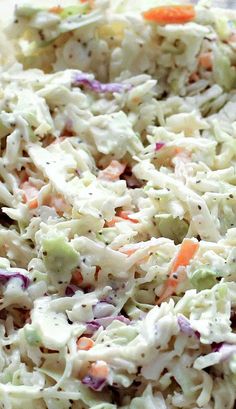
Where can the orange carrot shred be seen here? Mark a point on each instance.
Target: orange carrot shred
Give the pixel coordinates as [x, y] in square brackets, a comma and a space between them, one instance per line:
[125, 214]
[56, 9]
[121, 215]
[177, 14]
[187, 251]
[206, 61]
[30, 194]
[90, 3]
[57, 202]
[99, 370]
[84, 343]
[128, 252]
[112, 222]
[33, 204]
[113, 171]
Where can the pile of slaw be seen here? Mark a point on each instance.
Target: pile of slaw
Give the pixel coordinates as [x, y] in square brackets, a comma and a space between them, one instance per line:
[118, 208]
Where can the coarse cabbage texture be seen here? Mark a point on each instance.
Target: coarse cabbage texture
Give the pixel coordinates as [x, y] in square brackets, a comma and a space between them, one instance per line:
[117, 150]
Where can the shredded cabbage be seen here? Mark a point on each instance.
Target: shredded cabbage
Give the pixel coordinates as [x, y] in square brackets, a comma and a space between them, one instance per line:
[118, 210]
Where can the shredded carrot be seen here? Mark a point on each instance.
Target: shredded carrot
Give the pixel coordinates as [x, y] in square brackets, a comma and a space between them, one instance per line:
[84, 343]
[177, 14]
[56, 201]
[113, 171]
[30, 194]
[77, 278]
[205, 60]
[112, 222]
[165, 156]
[33, 204]
[99, 369]
[186, 253]
[90, 2]
[121, 215]
[178, 150]
[128, 252]
[125, 214]
[56, 9]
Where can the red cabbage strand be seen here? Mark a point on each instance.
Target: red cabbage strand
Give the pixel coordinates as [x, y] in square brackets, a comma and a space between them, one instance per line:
[97, 384]
[5, 276]
[96, 86]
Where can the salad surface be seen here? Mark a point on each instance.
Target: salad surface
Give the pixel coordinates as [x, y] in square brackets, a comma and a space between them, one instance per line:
[118, 207]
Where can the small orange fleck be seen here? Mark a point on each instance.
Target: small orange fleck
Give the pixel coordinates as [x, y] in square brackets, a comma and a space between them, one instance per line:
[85, 343]
[56, 9]
[206, 60]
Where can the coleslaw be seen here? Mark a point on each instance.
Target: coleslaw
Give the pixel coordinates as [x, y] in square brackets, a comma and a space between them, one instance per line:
[118, 208]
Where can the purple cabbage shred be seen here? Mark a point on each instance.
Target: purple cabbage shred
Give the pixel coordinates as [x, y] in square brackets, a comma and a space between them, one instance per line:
[92, 327]
[105, 321]
[5, 276]
[216, 346]
[70, 290]
[226, 350]
[97, 384]
[186, 328]
[159, 145]
[97, 86]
